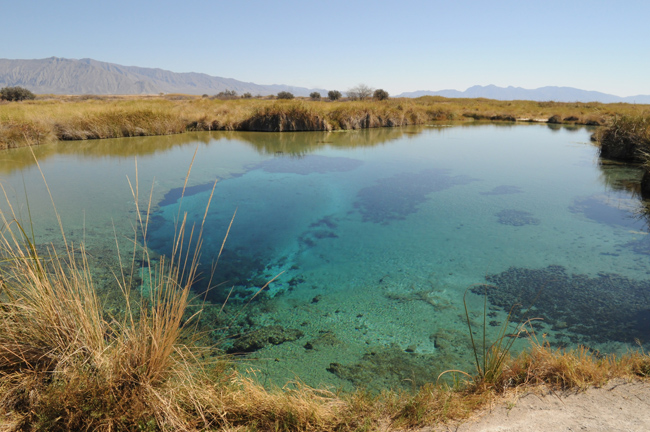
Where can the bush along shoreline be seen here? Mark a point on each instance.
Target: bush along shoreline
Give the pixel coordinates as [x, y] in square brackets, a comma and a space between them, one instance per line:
[627, 138]
[51, 118]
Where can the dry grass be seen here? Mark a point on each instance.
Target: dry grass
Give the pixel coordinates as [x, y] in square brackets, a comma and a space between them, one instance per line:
[93, 117]
[627, 138]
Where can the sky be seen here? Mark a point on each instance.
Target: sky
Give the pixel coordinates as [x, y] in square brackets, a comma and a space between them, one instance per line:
[399, 46]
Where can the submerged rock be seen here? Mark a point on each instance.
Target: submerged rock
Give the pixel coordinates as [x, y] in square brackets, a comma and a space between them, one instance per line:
[324, 339]
[265, 336]
[388, 367]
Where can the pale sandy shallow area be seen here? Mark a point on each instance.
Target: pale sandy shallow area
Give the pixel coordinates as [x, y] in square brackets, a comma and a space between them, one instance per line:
[617, 406]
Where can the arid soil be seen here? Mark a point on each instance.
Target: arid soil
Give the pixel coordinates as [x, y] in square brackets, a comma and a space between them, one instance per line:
[617, 406]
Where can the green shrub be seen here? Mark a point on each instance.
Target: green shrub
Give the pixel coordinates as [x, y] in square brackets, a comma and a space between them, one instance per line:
[334, 95]
[247, 95]
[285, 95]
[226, 95]
[314, 95]
[627, 138]
[380, 94]
[16, 94]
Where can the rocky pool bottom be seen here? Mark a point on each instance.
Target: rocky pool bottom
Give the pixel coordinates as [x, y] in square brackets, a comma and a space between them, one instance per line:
[389, 336]
[382, 337]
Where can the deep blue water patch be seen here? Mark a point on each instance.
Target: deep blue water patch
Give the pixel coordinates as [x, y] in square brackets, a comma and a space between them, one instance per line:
[600, 210]
[395, 197]
[175, 194]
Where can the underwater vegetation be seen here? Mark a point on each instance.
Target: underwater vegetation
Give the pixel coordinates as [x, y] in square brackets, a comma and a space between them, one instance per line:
[176, 194]
[608, 307]
[503, 190]
[516, 218]
[390, 367]
[394, 198]
[309, 164]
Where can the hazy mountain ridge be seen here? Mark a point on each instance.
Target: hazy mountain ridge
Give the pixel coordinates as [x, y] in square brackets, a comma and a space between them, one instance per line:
[548, 93]
[88, 76]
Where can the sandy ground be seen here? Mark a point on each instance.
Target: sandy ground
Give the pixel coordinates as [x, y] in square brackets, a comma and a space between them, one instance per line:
[618, 406]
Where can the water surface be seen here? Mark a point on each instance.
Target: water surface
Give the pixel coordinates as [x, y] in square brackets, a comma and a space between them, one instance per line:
[375, 237]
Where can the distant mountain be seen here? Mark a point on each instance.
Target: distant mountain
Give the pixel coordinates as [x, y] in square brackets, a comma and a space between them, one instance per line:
[550, 93]
[87, 76]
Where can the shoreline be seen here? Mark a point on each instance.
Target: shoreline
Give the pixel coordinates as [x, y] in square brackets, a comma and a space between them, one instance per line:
[50, 119]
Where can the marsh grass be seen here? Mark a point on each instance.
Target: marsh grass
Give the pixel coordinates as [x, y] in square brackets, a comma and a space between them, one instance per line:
[86, 117]
[626, 138]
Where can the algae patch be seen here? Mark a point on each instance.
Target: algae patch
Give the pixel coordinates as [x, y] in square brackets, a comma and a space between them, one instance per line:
[394, 198]
[310, 164]
[607, 307]
[516, 218]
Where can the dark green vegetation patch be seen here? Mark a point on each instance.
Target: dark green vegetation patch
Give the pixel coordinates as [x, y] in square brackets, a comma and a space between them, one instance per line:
[503, 190]
[394, 198]
[309, 164]
[608, 307]
[516, 218]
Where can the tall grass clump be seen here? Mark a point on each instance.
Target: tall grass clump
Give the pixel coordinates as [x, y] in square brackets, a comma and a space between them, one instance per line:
[284, 116]
[626, 138]
[490, 357]
[66, 365]
[120, 123]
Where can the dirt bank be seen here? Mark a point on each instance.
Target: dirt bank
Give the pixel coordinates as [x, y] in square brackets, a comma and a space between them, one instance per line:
[618, 406]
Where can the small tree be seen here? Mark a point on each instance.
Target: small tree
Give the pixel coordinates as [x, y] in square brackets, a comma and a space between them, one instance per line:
[360, 92]
[16, 94]
[380, 94]
[227, 94]
[314, 95]
[246, 95]
[334, 95]
[285, 95]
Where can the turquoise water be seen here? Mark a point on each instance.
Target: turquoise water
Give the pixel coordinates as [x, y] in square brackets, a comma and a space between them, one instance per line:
[374, 238]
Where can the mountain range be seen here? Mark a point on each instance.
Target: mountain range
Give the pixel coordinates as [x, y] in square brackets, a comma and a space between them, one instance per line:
[549, 93]
[87, 76]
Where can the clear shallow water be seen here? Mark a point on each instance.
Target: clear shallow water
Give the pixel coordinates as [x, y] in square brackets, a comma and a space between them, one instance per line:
[376, 235]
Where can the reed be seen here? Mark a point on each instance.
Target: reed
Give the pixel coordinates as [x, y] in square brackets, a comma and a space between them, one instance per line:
[626, 138]
[51, 118]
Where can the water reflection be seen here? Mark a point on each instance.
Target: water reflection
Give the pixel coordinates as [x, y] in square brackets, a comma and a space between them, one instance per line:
[263, 142]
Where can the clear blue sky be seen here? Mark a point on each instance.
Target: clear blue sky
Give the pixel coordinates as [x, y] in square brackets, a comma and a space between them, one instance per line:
[399, 45]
